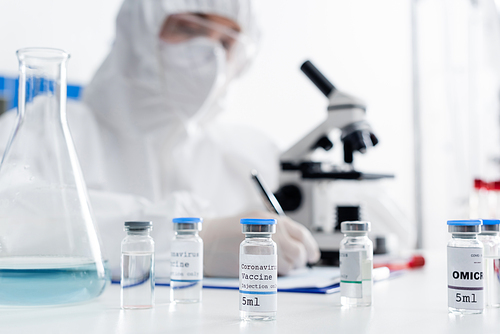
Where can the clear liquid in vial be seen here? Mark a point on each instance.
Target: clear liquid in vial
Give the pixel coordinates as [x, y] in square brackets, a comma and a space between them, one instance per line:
[359, 293]
[186, 292]
[137, 283]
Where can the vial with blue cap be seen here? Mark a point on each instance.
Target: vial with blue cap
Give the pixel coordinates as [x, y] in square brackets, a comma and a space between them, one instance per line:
[138, 266]
[465, 267]
[186, 261]
[490, 239]
[258, 270]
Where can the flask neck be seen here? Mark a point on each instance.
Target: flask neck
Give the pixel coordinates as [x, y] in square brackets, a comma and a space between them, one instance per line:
[42, 82]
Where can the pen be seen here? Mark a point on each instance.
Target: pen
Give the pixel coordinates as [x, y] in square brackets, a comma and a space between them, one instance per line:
[270, 200]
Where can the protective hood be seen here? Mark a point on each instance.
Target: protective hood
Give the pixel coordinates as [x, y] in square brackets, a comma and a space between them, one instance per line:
[127, 93]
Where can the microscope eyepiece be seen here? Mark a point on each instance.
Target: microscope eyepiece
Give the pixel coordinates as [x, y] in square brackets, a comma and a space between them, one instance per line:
[323, 84]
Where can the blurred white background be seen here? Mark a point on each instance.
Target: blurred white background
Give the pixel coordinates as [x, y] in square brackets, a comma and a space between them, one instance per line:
[366, 49]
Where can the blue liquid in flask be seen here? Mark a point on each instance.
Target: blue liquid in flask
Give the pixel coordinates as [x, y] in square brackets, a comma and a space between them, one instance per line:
[38, 281]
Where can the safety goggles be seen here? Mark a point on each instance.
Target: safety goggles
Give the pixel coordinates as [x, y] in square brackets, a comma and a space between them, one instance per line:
[179, 28]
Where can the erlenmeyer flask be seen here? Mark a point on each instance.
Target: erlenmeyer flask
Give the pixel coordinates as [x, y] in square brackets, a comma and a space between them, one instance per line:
[49, 247]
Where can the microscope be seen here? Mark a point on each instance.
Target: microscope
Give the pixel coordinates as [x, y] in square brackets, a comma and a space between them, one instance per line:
[305, 192]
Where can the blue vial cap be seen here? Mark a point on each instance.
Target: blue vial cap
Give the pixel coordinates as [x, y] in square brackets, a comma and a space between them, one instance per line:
[464, 222]
[184, 220]
[491, 221]
[257, 221]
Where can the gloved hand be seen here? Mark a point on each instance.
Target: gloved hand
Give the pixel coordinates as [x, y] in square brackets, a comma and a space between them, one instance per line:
[222, 238]
[296, 245]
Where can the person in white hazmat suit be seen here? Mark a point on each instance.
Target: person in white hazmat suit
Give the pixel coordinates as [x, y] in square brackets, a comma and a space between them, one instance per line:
[149, 142]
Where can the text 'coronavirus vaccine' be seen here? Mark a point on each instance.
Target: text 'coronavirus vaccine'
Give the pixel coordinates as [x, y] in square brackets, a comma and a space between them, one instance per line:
[258, 270]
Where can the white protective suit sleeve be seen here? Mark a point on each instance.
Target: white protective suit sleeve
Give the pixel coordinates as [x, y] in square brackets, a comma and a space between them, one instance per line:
[222, 238]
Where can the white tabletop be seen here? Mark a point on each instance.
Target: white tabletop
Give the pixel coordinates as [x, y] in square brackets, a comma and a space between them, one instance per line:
[415, 302]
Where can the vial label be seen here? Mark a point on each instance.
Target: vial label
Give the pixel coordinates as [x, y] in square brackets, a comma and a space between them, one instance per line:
[186, 261]
[258, 283]
[465, 278]
[355, 267]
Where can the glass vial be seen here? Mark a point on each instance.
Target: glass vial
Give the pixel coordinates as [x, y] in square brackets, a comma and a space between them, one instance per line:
[186, 270]
[138, 266]
[465, 267]
[490, 239]
[356, 264]
[258, 270]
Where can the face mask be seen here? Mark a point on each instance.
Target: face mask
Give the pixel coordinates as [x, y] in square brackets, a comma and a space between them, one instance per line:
[193, 73]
